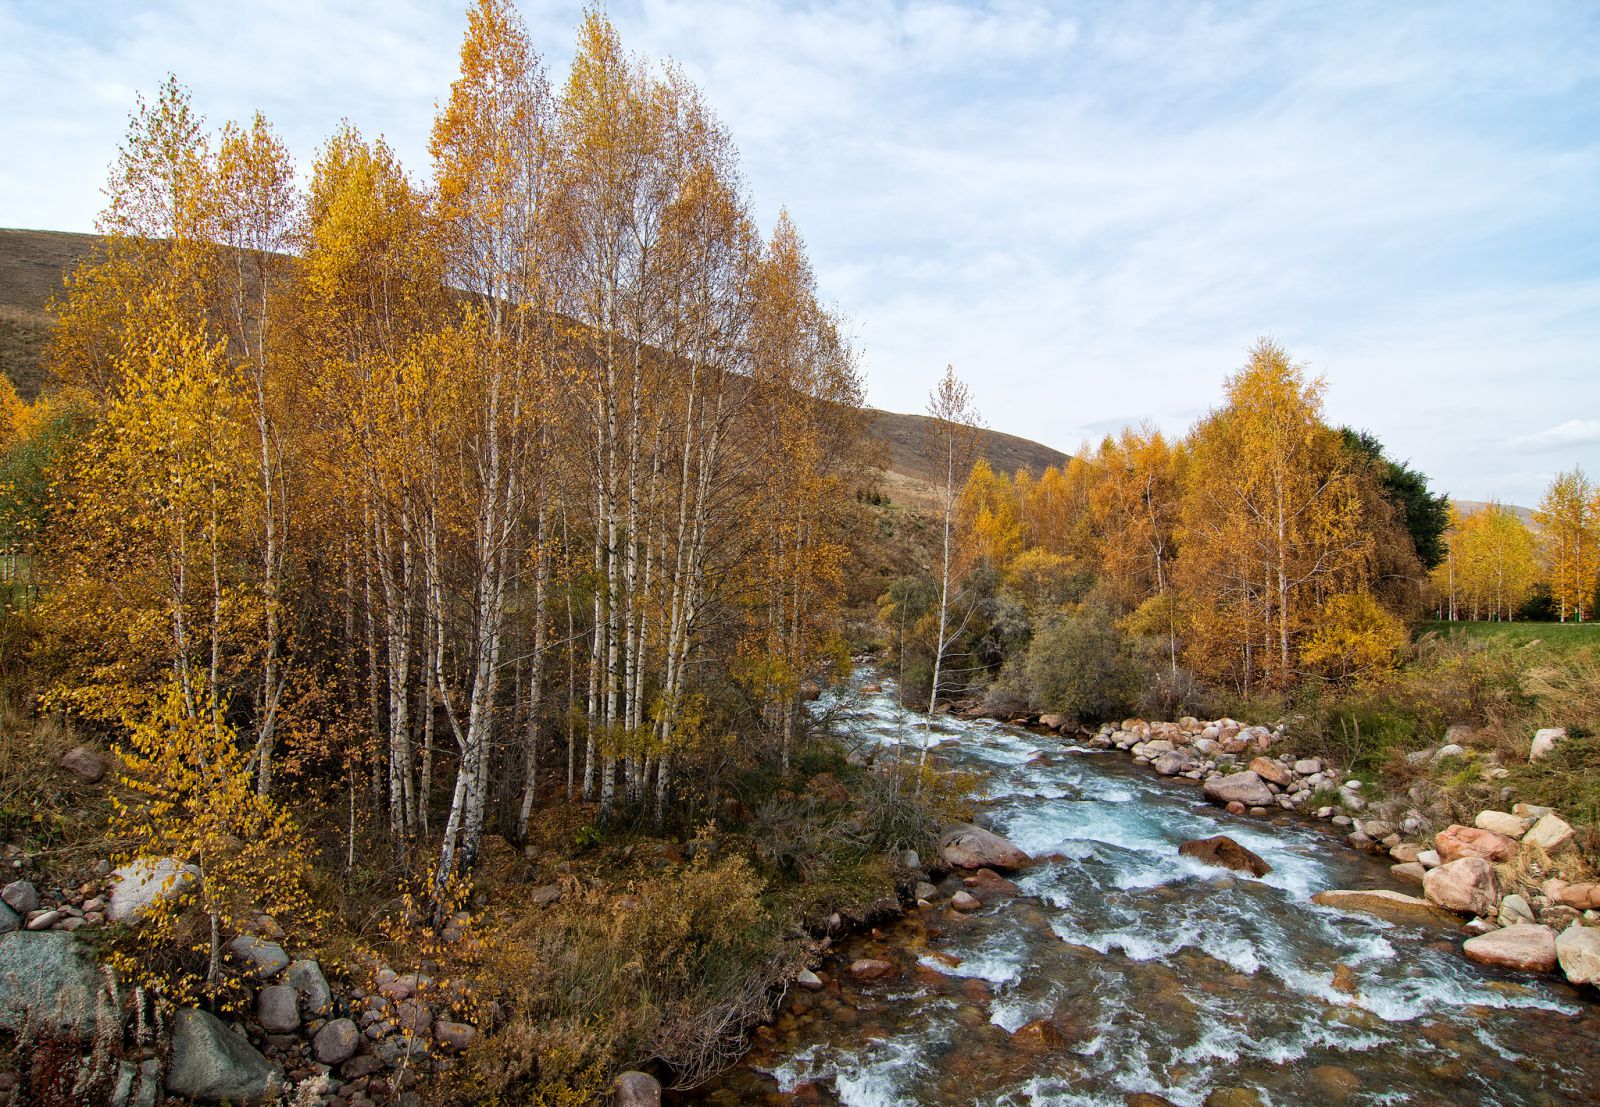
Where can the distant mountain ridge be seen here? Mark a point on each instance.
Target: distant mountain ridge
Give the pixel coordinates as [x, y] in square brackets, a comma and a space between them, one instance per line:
[1472, 507]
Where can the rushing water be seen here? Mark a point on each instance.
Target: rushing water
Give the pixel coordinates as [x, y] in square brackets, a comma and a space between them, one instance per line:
[1157, 974]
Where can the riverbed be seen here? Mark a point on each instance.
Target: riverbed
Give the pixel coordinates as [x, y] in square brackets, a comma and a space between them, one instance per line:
[1121, 969]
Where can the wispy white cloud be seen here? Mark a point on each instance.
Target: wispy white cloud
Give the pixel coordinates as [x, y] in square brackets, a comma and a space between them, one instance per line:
[1090, 212]
[1573, 432]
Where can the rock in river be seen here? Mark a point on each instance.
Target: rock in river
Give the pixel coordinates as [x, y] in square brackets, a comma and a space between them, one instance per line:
[1526, 946]
[868, 968]
[1394, 906]
[1224, 851]
[965, 846]
[1246, 788]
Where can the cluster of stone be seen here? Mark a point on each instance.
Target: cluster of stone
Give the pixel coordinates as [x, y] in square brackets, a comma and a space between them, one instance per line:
[299, 1036]
[1472, 871]
[1233, 761]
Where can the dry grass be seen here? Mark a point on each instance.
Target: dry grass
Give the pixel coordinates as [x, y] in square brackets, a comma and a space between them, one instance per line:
[1532, 866]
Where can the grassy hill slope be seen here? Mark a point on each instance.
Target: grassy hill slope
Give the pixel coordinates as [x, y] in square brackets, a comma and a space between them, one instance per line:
[33, 263]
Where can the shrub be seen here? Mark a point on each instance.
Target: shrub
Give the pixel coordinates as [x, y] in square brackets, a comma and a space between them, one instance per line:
[671, 971]
[1076, 667]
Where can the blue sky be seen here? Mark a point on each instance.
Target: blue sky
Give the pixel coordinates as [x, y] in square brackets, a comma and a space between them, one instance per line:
[1091, 210]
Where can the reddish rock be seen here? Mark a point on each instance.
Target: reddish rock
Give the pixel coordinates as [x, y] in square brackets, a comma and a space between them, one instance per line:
[1525, 946]
[1236, 808]
[85, 763]
[1394, 906]
[1466, 885]
[987, 880]
[1578, 950]
[1039, 1036]
[868, 968]
[1224, 851]
[965, 901]
[1270, 770]
[1583, 897]
[1457, 841]
[964, 846]
[1411, 872]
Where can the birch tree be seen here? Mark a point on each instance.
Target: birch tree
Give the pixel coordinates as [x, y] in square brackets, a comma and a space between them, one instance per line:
[953, 425]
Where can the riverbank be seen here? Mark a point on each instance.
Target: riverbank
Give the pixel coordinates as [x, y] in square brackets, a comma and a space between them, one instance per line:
[1120, 968]
[591, 947]
[1519, 872]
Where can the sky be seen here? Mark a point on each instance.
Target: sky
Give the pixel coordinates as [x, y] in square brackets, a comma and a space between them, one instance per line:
[1091, 210]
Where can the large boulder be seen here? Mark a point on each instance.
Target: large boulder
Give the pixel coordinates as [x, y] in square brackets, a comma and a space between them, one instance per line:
[965, 846]
[1466, 885]
[1580, 897]
[1525, 946]
[637, 1089]
[1224, 851]
[1578, 951]
[1247, 788]
[1550, 833]
[1393, 906]
[212, 1064]
[1173, 763]
[140, 885]
[47, 978]
[1457, 841]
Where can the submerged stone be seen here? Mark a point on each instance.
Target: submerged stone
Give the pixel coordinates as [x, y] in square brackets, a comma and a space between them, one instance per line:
[1224, 851]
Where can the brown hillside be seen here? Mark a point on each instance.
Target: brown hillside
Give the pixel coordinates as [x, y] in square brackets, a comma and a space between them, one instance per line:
[33, 263]
[911, 469]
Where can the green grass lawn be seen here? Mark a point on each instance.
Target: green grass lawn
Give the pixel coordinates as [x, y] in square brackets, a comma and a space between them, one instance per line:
[1557, 635]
